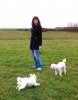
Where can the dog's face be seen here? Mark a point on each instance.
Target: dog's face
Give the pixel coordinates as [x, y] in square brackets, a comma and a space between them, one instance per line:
[33, 75]
[53, 66]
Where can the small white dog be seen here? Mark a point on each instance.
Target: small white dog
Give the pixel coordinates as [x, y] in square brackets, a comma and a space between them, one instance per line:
[26, 82]
[59, 68]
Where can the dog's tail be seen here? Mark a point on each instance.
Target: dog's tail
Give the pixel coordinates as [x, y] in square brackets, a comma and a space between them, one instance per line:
[64, 60]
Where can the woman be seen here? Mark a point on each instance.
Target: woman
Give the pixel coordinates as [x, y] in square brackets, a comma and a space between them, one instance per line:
[36, 42]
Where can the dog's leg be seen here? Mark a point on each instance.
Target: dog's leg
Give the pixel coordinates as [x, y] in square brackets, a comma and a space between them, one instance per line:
[56, 72]
[20, 88]
[17, 87]
[36, 84]
[64, 70]
[60, 72]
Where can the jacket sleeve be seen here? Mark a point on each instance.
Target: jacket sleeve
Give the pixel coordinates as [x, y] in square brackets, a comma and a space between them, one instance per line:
[40, 36]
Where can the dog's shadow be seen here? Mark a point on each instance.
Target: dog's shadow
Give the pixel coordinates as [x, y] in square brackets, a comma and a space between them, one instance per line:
[28, 88]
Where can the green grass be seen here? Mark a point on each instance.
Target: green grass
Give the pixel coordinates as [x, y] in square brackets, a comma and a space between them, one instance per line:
[16, 60]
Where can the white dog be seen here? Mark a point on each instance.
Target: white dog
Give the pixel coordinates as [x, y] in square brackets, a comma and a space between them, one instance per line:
[26, 82]
[59, 68]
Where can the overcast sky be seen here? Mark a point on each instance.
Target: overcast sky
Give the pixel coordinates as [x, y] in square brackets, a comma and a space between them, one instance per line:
[52, 13]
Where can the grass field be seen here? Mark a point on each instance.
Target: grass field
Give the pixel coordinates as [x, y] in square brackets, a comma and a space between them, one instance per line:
[16, 60]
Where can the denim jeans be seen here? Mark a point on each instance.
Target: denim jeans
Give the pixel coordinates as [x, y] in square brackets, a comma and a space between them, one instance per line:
[38, 62]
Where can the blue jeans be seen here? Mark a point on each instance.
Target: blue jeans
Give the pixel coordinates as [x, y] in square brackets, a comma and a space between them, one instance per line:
[37, 59]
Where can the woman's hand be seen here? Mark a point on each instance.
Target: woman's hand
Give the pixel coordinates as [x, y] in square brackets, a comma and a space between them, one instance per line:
[40, 47]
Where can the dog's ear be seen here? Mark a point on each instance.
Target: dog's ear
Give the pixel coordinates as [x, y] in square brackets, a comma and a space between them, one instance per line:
[34, 75]
[51, 66]
[31, 75]
[18, 78]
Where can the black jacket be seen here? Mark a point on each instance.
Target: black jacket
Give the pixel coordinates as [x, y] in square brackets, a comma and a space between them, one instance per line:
[36, 38]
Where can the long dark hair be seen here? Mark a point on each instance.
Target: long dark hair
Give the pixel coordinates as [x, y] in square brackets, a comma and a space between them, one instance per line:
[39, 23]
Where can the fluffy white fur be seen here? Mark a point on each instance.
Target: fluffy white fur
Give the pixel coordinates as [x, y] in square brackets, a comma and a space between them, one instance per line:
[26, 82]
[59, 68]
